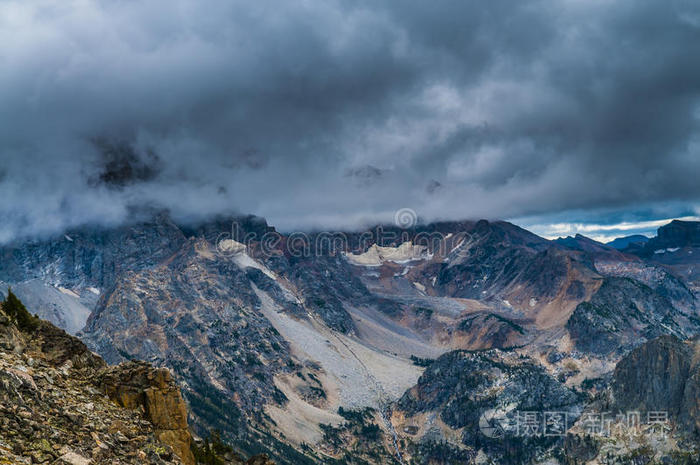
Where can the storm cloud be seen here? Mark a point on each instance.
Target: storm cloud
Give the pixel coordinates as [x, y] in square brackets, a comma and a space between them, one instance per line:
[328, 113]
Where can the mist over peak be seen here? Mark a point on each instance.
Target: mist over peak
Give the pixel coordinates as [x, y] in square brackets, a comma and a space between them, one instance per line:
[337, 114]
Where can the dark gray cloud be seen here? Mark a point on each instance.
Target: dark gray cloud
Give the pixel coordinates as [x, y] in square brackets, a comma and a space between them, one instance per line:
[464, 108]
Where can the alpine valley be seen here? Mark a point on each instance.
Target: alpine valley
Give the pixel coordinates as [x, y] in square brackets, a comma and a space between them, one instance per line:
[445, 343]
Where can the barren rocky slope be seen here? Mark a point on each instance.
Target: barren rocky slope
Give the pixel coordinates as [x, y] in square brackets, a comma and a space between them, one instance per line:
[59, 401]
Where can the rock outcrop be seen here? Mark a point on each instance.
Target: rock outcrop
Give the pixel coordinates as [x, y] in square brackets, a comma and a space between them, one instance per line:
[661, 375]
[60, 403]
[622, 314]
[653, 376]
[137, 385]
[465, 399]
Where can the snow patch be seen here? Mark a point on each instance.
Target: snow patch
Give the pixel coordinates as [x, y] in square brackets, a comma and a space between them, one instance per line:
[403, 272]
[238, 253]
[229, 246]
[243, 261]
[68, 292]
[669, 249]
[457, 246]
[377, 255]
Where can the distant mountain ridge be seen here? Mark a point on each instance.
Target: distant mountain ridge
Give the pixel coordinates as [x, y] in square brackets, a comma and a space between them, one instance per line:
[621, 243]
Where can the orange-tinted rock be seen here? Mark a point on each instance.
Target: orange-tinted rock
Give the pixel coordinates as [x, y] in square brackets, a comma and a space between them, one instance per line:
[137, 385]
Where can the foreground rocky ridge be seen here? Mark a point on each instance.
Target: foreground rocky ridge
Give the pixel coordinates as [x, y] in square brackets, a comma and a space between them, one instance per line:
[60, 403]
[56, 405]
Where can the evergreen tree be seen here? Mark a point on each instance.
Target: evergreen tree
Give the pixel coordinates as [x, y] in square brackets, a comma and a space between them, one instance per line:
[16, 311]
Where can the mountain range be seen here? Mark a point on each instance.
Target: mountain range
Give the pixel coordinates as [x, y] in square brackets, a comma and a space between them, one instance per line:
[387, 345]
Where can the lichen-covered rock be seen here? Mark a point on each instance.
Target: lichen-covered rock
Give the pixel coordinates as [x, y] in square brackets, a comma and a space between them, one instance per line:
[137, 385]
[10, 337]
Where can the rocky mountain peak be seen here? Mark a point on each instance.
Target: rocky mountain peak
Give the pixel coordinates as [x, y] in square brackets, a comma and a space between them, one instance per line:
[675, 235]
[680, 233]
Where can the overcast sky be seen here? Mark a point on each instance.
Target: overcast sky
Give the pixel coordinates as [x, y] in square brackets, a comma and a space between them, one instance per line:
[331, 114]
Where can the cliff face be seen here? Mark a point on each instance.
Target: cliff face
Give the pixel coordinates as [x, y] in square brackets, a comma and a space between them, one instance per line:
[676, 247]
[690, 411]
[199, 317]
[138, 386]
[661, 375]
[92, 257]
[60, 402]
[622, 313]
[676, 234]
[653, 376]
